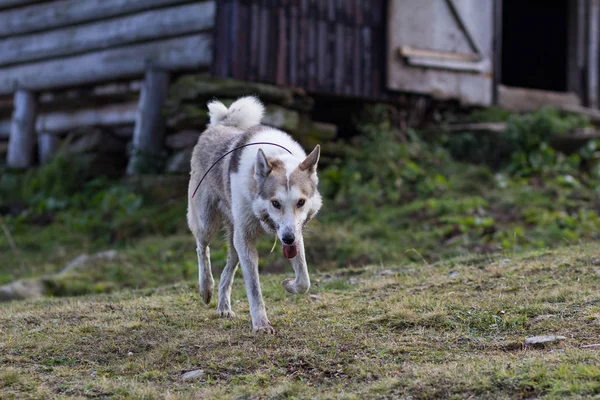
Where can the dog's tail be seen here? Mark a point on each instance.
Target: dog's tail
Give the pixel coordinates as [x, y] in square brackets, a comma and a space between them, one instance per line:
[244, 113]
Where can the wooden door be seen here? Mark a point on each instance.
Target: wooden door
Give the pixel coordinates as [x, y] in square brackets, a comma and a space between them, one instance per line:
[443, 48]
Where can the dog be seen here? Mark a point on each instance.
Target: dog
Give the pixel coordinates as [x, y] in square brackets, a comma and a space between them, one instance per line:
[256, 189]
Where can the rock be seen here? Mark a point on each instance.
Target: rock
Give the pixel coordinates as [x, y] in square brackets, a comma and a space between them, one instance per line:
[201, 88]
[97, 141]
[315, 297]
[83, 259]
[542, 340]
[353, 281]
[453, 275]
[179, 163]
[20, 290]
[543, 317]
[282, 118]
[192, 375]
[386, 272]
[183, 139]
[159, 187]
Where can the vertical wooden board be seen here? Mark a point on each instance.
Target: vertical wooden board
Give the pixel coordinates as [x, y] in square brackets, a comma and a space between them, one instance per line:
[497, 57]
[348, 50]
[220, 66]
[274, 36]
[283, 49]
[312, 46]
[263, 58]
[593, 48]
[254, 35]
[339, 65]
[22, 130]
[234, 48]
[302, 66]
[322, 58]
[293, 43]
[356, 55]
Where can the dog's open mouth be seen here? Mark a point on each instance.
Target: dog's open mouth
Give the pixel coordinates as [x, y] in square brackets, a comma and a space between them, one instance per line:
[290, 251]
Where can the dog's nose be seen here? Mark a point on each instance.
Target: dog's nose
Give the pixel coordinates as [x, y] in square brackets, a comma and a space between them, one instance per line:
[288, 238]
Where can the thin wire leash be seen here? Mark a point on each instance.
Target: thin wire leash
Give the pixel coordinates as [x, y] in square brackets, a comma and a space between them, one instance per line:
[231, 151]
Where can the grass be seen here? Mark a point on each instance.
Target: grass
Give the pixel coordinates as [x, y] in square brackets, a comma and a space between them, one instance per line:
[451, 329]
[396, 310]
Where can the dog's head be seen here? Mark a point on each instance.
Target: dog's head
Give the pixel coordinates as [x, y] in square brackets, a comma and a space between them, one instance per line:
[287, 196]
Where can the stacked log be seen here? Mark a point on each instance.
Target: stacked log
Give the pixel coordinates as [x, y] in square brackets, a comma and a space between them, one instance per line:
[286, 108]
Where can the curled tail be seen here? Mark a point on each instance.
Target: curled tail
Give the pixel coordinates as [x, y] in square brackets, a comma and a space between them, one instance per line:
[244, 113]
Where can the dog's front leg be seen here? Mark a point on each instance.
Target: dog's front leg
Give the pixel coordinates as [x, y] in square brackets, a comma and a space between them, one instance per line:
[248, 256]
[301, 283]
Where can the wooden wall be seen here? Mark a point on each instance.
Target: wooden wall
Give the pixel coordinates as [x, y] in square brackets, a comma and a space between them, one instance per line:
[57, 45]
[323, 46]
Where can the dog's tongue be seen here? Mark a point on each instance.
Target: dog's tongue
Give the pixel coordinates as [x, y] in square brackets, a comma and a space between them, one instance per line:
[290, 251]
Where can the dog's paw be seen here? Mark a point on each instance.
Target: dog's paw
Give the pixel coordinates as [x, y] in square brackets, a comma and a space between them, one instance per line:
[264, 330]
[226, 313]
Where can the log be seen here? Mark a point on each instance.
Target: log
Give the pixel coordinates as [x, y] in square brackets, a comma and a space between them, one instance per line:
[22, 130]
[170, 22]
[4, 4]
[492, 127]
[149, 123]
[591, 113]
[187, 52]
[522, 100]
[59, 122]
[55, 14]
[47, 146]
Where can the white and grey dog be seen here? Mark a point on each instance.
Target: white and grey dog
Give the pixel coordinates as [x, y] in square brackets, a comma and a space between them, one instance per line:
[254, 189]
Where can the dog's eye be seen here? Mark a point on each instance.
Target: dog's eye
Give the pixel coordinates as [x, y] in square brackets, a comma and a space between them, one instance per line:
[276, 204]
[300, 203]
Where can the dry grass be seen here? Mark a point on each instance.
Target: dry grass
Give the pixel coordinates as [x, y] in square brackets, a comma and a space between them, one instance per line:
[453, 330]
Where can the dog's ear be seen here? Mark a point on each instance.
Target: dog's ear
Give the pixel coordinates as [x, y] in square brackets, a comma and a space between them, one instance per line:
[311, 161]
[262, 167]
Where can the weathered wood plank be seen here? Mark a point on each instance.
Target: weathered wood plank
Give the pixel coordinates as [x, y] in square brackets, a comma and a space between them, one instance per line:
[4, 4]
[593, 48]
[149, 123]
[51, 15]
[189, 52]
[144, 26]
[521, 100]
[59, 122]
[22, 130]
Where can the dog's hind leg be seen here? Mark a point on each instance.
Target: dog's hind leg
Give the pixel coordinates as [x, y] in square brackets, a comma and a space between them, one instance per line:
[204, 220]
[224, 307]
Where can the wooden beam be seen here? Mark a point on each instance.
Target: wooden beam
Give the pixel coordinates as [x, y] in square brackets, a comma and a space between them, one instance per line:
[188, 52]
[47, 146]
[522, 99]
[55, 14]
[163, 23]
[59, 122]
[491, 127]
[592, 113]
[408, 51]
[149, 122]
[22, 132]
[4, 4]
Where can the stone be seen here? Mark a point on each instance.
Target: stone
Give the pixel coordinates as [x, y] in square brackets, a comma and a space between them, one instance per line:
[192, 375]
[453, 275]
[84, 259]
[179, 163]
[182, 139]
[386, 272]
[97, 141]
[19, 290]
[542, 340]
[282, 118]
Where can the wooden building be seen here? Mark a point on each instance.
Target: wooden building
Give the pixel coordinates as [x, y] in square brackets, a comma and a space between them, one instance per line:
[478, 52]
